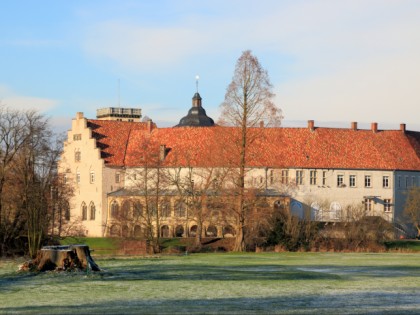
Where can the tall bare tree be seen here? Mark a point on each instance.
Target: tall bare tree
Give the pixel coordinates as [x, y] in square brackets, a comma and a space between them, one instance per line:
[28, 157]
[248, 103]
[152, 182]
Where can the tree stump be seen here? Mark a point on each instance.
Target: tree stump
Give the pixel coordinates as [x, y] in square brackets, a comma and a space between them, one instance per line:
[68, 257]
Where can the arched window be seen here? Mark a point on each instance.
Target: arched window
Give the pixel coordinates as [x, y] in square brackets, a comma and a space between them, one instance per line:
[211, 231]
[92, 211]
[193, 230]
[179, 231]
[296, 209]
[115, 208]
[180, 209]
[126, 209]
[152, 209]
[125, 231]
[335, 210]
[84, 211]
[137, 210]
[164, 231]
[228, 231]
[114, 230]
[165, 209]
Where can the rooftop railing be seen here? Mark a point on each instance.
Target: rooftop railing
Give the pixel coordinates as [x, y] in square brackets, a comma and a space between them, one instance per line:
[110, 111]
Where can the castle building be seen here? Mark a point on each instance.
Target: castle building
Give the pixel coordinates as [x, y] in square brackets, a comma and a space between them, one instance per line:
[319, 173]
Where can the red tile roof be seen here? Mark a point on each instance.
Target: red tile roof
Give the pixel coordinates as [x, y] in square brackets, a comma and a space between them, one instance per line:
[125, 144]
[112, 138]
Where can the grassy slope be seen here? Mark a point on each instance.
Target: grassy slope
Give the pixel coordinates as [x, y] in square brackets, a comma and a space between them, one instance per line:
[223, 283]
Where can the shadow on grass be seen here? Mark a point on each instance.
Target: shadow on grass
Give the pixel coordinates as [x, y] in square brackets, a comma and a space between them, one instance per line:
[350, 303]
[135, 270]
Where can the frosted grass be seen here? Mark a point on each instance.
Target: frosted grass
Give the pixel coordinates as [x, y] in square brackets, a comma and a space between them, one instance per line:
[266, 283]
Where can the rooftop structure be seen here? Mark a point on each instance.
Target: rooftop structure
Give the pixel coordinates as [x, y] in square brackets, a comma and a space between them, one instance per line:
[197, 116]
[119, 113]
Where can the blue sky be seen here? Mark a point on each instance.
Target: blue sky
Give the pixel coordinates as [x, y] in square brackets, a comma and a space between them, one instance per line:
[331, 61]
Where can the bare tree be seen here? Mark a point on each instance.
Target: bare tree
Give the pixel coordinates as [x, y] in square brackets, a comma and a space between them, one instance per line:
[412, 207]
[151, 182]
[13, 136]
[28, 157]
[248, 102]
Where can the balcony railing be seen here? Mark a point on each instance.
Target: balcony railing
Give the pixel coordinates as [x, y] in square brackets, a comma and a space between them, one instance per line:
[118, 111]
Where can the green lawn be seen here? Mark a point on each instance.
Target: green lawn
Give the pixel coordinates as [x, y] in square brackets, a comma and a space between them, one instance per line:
[291, 283]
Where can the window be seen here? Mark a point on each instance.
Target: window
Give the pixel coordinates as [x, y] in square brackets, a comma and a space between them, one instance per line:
[84, 212]
[285, 176]
[312, 178]
[165, 209]
[352, 181]
[407, 184]
[117, 177]
[413, 182]
[180, 209]
[92, 211]
[368, 204]
[368, 181]
[65, 179]
[271, 177]
[340, 180]
[115, 208]
[92, 177]
[66, 211]
[399, 181]
[138, 210]
[77, 137]
[299, 177]
[77, 156]
[387, 205]
[78, 177]
[152, 209]
[125, 209]
[324, 178]
[385, 181]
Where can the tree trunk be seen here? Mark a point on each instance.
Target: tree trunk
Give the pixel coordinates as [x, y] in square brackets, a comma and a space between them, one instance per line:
[71, 257]
[240, 238]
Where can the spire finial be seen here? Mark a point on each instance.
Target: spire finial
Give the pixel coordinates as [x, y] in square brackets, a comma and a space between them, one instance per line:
[197, 77]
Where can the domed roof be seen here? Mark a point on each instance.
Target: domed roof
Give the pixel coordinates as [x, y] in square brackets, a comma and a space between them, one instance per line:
[197, 116]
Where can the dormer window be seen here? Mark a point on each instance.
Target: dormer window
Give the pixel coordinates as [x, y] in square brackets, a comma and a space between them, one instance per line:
[77, 156]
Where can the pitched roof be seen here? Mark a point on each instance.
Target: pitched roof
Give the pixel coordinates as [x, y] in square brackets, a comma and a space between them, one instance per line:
[112, 137]
[125, 144]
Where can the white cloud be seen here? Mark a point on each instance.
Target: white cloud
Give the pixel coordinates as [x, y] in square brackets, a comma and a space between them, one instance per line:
[351, 60]
[141, 47]
[11, 99]
[382, 90]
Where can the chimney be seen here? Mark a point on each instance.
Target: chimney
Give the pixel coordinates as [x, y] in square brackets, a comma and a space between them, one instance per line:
[79, 115]
[261, 124]
[354, 125]
[374, 127]
[149, 125]
[311, 125]
[402, 128]
[162, 152]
